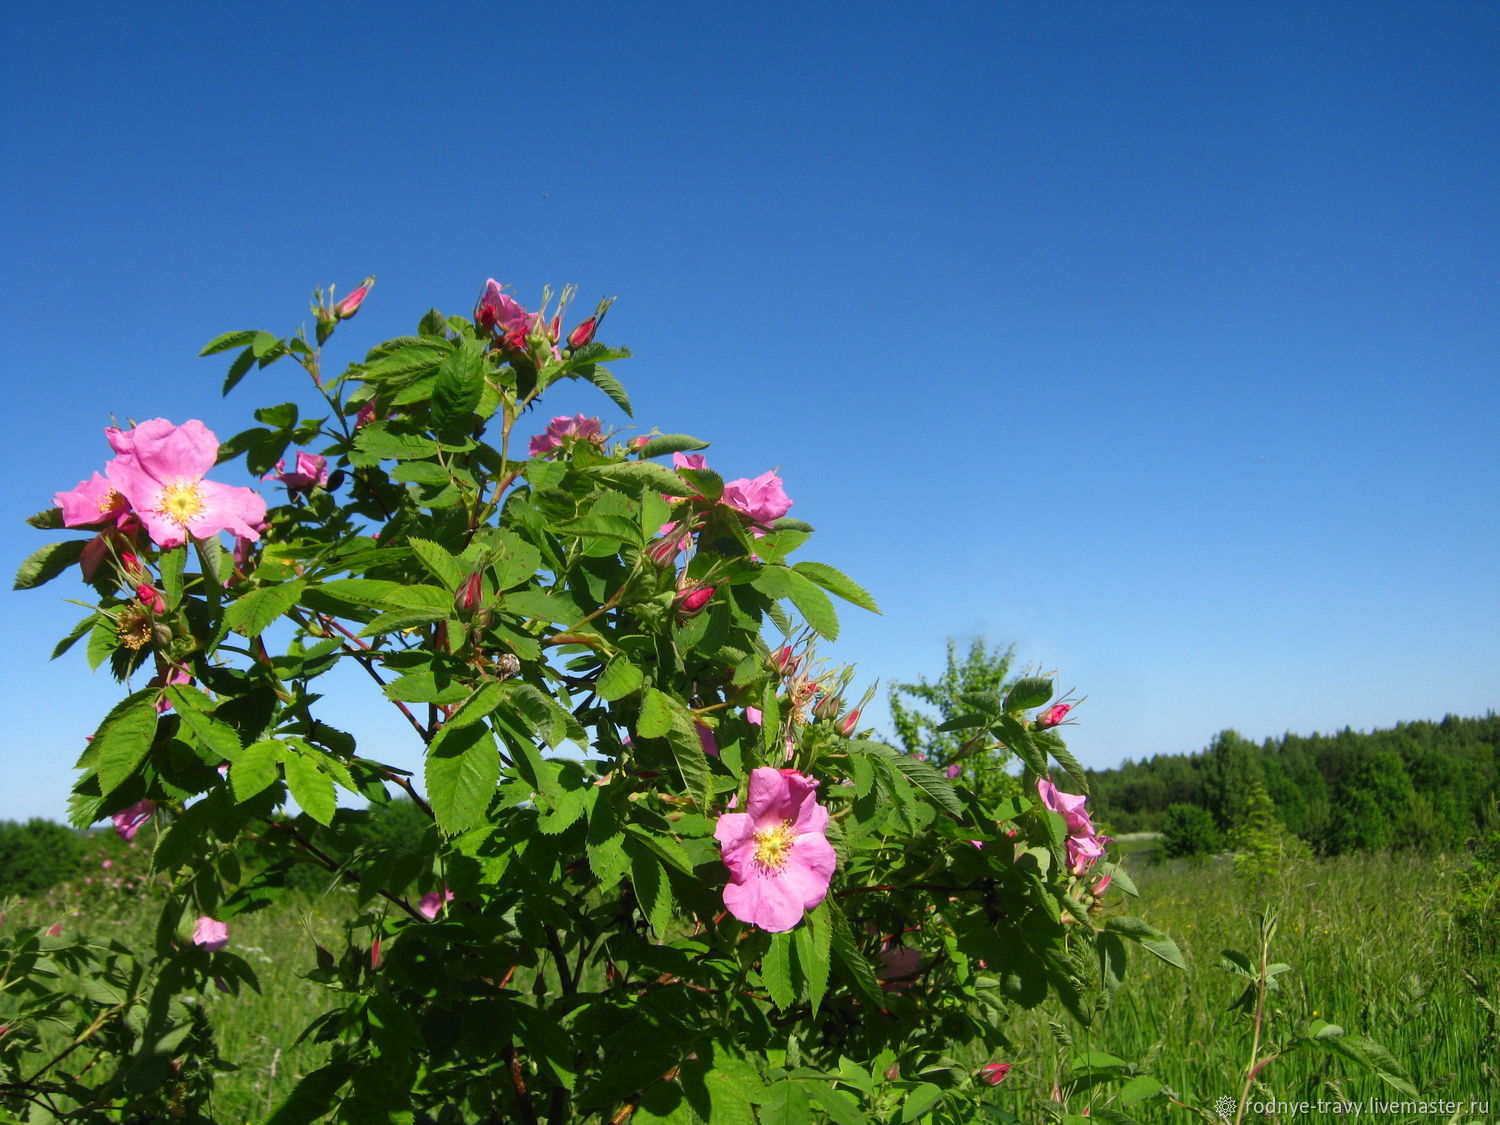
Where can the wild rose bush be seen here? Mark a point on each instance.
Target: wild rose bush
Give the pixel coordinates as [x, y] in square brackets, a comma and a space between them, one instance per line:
[666, 875]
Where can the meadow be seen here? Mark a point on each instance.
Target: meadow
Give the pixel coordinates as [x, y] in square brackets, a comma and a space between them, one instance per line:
[1369, 943]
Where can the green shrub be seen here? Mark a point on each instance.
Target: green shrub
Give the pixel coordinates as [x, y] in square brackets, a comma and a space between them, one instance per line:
[1190, 831]
[37, 855]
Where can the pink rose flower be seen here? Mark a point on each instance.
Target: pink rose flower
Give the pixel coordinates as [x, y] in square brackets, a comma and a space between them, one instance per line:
[763, 499]
[577, 428]
[994, 1073]
[689, 461]
[433, 902]
[93, 503]
[211, 934]
[753, 715]
[160, 469]
[1084, 844]
[311, 471]
[498, 310]
[164, 677]
[779, 860]
[953, 771]
[128, 821]
[707, 740]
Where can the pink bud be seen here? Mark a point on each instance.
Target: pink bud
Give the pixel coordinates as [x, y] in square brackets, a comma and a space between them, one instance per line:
[470, 594]
[55, 930]
[828, 707]
[783, 662]
[375, 953]
[350, 304]
[690, 602]
[583, 333]
[554, 328]
[1052, 716]
[953, 771]
[994, 1073]
[640, 442]
[151, 598]
[848, 723]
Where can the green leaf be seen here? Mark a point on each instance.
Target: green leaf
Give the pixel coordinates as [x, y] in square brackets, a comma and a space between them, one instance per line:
[237, 370]
[814, 939]
[607, 383]
[1369, 1054]
[920, 1101]
[920, 773]
[217, 563]
[1049, 742]
[218, 737]
[378, 444]
[255, 768]
[619, 678]
[311, 788]
[463, 767]
[124, 737]
[652, 889]
[605, 843]
[439, 563]
[227, 340]
[840, 1105]
[314, 1095]
[423, 687]
[837, 582]
[264, 344]
[1148, 937]
[692, 762]
[786, 1104]
[172, 564]
[776, 970]
[48, 519]
[253, 612]
[460, 381]
[1139, 1088]
[43, 565]
[1032, 691]
[669, 443]
[813, 604]
[485, 699]
[642, 476]
[656, 715]
[856, 968]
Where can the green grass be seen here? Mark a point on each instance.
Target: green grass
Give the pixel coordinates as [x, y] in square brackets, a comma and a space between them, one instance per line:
[1370, 950]
[1367, 939]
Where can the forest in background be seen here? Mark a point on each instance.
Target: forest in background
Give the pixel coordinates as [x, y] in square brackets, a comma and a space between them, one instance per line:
[1426, 785]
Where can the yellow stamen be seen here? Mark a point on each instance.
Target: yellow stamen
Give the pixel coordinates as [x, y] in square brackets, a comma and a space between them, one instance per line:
[772, 845]
[181, 501]
[111, 498]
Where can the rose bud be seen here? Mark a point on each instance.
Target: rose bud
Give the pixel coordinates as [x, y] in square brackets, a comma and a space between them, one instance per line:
[470, 595]
[848, 723]
[350, 304]
[691, 601]
[783, 662]
[1052, 716]
[582, 334]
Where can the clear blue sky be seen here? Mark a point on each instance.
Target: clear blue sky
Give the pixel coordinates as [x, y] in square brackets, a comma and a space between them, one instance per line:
[1160, 339]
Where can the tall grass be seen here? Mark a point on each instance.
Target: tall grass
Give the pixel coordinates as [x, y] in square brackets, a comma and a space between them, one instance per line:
[1367, 938]
[1369, 944]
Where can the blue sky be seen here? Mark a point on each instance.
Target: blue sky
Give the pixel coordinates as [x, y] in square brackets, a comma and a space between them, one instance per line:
[1160, 339]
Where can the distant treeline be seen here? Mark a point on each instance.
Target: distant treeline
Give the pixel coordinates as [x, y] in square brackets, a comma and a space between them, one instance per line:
[1426, 785]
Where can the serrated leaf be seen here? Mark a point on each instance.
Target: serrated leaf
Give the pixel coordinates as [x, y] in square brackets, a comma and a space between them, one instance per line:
[485, 699]
[463, 767]
[1373, 1057]
[424, 687]
[254, 612]
[776, 970]
[74, 635]
[605, 843]
[460, 380]
[439, 563]
[861, 976]
[45, 564]
[692, 762]
[1050, 743]
[123, 738]
[592, 373]
[48, 519]
[379, 444]
[237, 370]
[619, 678]
[1024, 694]
[217, 736]
[1147, 937]
[837, 582]
[652, 889]
[814, 939]
[657, 711]
[669, 443]
[227, 340]
[255, 768]
[641, 476]
[920, 773]
[813, 604]
[310, 787]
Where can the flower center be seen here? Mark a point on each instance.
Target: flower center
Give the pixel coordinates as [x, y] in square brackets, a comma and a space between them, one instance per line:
[181, 501]
[773, 845]
[109, 500]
